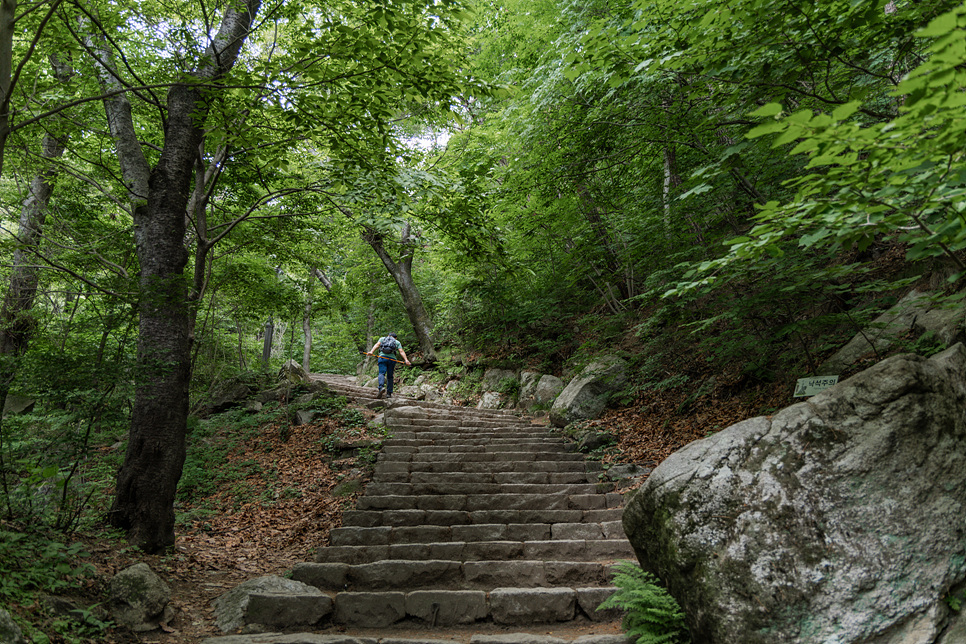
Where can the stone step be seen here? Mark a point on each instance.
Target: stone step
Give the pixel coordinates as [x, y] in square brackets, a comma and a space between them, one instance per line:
[485, 467]
[483, 448]
[480, 456]
[475, 502]
[473, 436]
[439, 574]
[468, 441]
[537, 477]
[391, 535]
[569, 549]
[451, 634]
[398, 518]
[387, 489]
[446, 420]
[505, 606]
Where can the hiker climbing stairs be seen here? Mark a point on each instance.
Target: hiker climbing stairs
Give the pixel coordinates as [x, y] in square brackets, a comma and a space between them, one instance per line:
[472, 517]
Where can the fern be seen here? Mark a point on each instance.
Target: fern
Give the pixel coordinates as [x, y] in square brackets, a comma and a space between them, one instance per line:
[652, 616]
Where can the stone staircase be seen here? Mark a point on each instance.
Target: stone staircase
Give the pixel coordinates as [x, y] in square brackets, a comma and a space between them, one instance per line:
[475, 522]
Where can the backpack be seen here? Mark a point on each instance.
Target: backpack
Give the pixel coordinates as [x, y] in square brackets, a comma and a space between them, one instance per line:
[388, 345]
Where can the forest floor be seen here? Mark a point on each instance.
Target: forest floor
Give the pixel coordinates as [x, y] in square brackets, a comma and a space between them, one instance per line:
[283, 510]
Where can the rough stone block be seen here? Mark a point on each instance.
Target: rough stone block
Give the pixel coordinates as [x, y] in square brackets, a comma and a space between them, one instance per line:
[324, 576]
[285, 610]
[446, 608]
[373, 610]
[588, 599]
[532, 605]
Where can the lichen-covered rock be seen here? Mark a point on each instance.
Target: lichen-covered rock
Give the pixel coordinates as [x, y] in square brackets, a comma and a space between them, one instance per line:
[10, 633]
[139, 598]
[490, 400]
[840, 519]
[586, 396]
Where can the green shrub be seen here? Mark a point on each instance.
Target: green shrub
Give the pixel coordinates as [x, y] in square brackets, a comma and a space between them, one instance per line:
[652, 615]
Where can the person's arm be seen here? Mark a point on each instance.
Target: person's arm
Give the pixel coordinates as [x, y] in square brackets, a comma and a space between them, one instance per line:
[403, 354]
[374, 347]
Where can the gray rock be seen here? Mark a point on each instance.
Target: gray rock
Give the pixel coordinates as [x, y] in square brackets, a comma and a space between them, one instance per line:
[492, 378]
[547, 389]
[528, 384]
[916, 313]
[836, 520]
[15, 404]
[588, 393]
[429, 392]
[304, 416]
[232, 392]
[591, 440]
[627, 471]
[490, 400]
[292, 372]
[10, 633]
[139, 598]
[231, 607]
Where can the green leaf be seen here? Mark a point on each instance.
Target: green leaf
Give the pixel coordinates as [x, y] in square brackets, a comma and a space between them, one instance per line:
[771, 109]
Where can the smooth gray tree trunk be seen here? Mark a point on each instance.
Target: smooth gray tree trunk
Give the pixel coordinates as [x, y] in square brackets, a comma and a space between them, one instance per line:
[402, 273]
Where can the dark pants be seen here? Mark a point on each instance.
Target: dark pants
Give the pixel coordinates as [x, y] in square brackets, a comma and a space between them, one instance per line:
[386, 367]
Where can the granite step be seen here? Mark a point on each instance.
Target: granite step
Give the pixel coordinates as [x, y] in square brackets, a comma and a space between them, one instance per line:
[506, 606]
[441, 434]
[403, 574]
[476, 502]
[496, 441]
[481, 532]
[569, 549]
[399, 518]
[446, 488]
[463, 448]
[531, 464]
[478, 456]
[534, 477]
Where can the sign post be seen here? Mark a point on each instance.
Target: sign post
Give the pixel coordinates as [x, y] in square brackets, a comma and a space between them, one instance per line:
[813, 385]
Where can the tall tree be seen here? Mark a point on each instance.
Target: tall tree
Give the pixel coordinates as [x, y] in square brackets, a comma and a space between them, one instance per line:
[147, 481]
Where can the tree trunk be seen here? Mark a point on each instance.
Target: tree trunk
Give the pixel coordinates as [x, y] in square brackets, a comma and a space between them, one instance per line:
[8, 13]
[307, 333]
[402, 273]
[267, 344]
[148, 479]
[16, 322]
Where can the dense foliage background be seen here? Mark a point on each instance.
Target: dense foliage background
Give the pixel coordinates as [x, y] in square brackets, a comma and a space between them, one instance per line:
[720, 191]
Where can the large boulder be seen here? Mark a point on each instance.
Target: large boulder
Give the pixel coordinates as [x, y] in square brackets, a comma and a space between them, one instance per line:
[139, 598]
[271, 601]
[839, 519]
[588, 393]
[916, 314]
